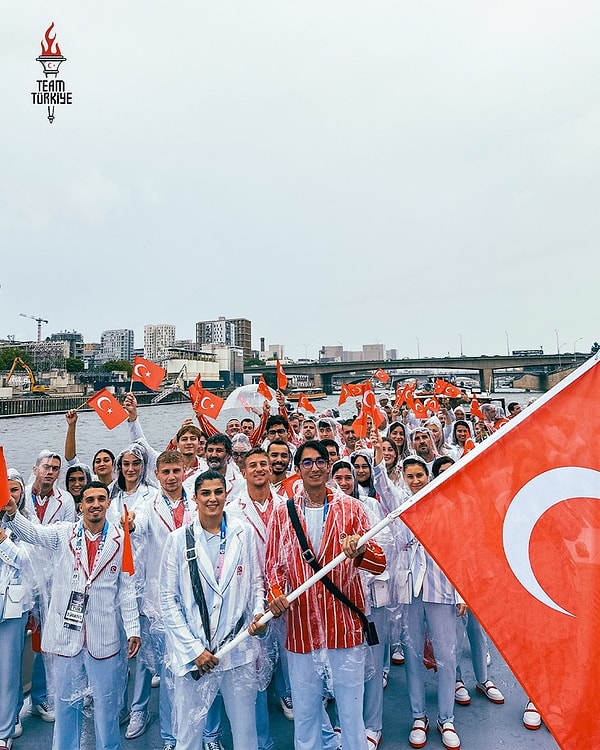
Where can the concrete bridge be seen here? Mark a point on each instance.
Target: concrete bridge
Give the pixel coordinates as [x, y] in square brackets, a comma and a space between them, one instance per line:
[549, 368]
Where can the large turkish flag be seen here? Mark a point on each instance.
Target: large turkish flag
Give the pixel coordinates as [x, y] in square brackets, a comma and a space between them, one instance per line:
[515, 525]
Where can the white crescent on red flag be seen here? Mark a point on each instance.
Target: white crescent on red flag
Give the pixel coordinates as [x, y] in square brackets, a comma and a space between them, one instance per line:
[305, 403]
[381, 375]
[525, 505]
[443, 388]
[148, 373]
[208, 403]
[108, 408]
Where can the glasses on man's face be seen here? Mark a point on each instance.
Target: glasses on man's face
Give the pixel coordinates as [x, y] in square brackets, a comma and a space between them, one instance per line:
[280, 431]
[238, 454]
[308, 463]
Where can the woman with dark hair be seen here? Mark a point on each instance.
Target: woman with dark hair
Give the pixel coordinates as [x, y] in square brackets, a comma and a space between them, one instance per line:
[391, 458]
[344, 475]
[362, 461]
[397, 433]
[76, 478]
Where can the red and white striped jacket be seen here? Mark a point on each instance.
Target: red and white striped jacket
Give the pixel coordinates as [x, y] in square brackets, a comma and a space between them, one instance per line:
[317, 619]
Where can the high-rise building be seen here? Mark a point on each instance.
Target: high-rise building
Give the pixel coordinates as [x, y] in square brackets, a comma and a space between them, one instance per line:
[231, 331]
[157, 340]
[73, 339]
[117, 344]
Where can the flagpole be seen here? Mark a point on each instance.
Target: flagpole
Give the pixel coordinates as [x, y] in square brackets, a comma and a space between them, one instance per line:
[392, 516]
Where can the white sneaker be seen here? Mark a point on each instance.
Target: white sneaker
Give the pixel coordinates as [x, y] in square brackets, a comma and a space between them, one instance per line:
[490, 691]
[531, 717]
[461, 694]
[155, 682]
[137, 725]
[7, 743]
[213, 745]
[450, 738]
[44, 710]
[418, 733]
[287, 707]
[398, 656]
[373, 739]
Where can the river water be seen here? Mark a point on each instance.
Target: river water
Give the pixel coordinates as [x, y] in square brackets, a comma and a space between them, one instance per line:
[24, 437]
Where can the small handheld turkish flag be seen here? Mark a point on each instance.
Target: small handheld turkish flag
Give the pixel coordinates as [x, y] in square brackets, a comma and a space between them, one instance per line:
[282, 378]
[108, 408]
[148, 373]
[208, 403]
[443, 388]
[305, 403]
[4, 486]
[127, 565]
[381, 375]
[263, 389]
[526, 504]
[476, 408]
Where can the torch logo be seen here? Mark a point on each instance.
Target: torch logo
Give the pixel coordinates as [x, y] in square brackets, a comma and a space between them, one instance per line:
[51, 89]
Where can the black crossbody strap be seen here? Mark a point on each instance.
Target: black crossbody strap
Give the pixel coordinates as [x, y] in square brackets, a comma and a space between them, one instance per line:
[190, 554]
[309, 556]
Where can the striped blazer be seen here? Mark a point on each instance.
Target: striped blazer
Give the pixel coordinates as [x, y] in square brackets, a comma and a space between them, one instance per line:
[317, 619]
[111, 606]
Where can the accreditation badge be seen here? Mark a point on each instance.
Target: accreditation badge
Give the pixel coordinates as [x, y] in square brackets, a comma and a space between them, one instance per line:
[75, 610]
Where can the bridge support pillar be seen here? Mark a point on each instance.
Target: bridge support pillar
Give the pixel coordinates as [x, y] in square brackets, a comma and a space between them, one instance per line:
[326, 383]
[486, 379]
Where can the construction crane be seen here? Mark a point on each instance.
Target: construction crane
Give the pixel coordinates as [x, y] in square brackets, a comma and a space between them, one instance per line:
[39, 322]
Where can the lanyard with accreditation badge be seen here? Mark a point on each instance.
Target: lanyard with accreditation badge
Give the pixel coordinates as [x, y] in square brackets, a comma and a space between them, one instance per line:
[75, 611]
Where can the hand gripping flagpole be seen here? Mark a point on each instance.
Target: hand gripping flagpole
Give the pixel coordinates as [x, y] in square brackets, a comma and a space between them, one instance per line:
[392, 516]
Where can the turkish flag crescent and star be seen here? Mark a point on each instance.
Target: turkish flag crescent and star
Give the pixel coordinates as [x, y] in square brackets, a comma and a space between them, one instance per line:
[263, 389]
[108, 408]
[148, 373]
[515, 525]
[443, 388]
[209, 403]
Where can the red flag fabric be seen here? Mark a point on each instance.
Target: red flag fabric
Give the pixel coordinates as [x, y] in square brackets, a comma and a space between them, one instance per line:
[127, 565]
[282, 378]
[209, 403]
[369, 406]
[476, 408]
[4, 487]
[148, 373]
[404, 393]
[108, 408]
[263, 389]
[381, 375]
[198, 382]
[350, 390]
[525, 503]
[443, 388]
[291, 484]
[432, 404]
[360, 426]
[305, 403]
[469, 445]
[416, 406]
[194, 394]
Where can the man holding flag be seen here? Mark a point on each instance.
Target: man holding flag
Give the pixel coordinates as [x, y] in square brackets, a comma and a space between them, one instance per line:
[91, 604]
[324, 632]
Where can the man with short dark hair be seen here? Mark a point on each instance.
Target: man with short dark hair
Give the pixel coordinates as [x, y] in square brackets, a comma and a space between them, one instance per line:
[279, 454]
[513, 409]
[217, 455]
[349, 437]
[332, 448]
[318, 621]
[309, 429]
[92, 603]
[278, 428]
[247, 425]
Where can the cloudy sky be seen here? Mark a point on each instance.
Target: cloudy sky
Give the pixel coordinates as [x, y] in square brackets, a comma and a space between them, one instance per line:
[336, 171]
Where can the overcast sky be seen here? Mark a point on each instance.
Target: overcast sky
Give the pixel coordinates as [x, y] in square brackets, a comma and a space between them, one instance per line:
[336, 171]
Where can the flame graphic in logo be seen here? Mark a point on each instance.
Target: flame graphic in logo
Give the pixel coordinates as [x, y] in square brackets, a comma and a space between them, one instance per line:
[50, 42]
